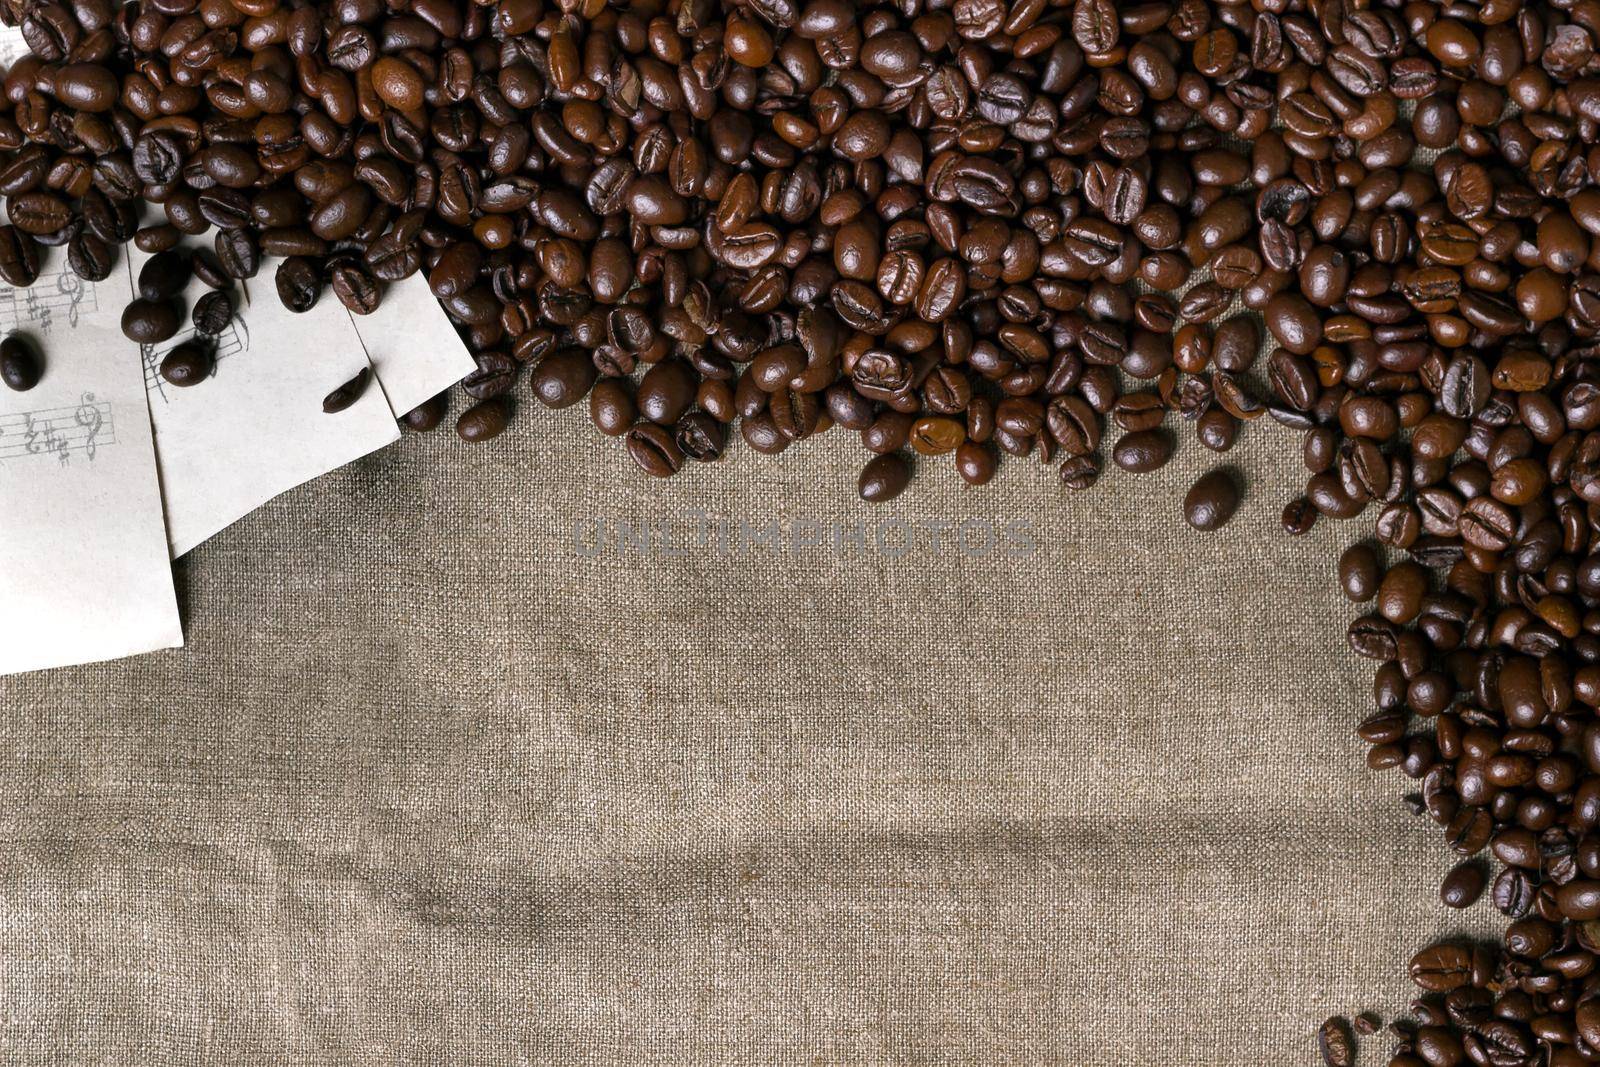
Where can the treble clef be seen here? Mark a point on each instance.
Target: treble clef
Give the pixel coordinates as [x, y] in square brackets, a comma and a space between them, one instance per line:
[88, 416]
[70, 286]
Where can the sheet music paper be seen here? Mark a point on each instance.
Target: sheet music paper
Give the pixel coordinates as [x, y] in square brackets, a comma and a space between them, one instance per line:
[12, 46]
[256, 428]
[84, 570]
[414, 350]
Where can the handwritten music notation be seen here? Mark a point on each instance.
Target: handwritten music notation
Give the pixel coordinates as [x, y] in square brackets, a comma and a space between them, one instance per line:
[233, 341]
[58, 298]
[59, 432]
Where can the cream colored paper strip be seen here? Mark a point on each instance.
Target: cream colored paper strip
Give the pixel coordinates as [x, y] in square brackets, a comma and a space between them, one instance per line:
[84, 571]
[256, 427]
[414, 349]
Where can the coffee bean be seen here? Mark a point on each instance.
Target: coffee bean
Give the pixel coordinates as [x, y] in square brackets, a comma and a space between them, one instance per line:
[1441, 968]
[485, 420]
[150, 322]
[189, 364]
[700, 437]
[1142, 451]
[1335, 1043]
[348, 393]
[299, 284]
[563, 378]
[354, 286]
[20, 365]
[1463, 885]
[212, 313]
[164, 276]
[1212, 500]
[654, 449]
[427, 415]
[884, 478]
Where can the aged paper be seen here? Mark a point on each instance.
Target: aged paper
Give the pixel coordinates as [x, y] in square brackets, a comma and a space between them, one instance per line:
[414, 349]
[256, 427]
[84, 571]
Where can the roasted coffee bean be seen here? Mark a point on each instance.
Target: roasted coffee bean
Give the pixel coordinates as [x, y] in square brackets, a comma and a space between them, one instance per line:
[1212, 500]
[700, 437]
[19, 257]
[1463, 885]
[563, 378]
[299, 284]
[666, 391]
[354, 286]
[494, 375]
[485, 420]
[1142, 451]
[1359, 573]
[20, 365]
[884, 478]
[427, 415]
[611, 406]
[164, 276]
[654, 449]
[348, 393]
[150, 322]
[189, 364]
[1443, 967]
[212, 313]
[1335, 1043]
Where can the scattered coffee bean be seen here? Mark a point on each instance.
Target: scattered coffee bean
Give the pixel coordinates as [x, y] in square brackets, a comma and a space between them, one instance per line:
[189, 363]
[884, 478]
[149, 322]
[1212, 500]
[348, 393]
[20, 366]
[484, 421]
[212, 313]
[1463, 885]
[427, 415]
[1335, 1043]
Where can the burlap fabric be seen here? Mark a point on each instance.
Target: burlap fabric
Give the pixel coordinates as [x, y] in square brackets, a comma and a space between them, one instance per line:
[435, 783]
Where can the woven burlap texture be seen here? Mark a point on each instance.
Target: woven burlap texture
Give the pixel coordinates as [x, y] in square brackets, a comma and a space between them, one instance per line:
[434, 782]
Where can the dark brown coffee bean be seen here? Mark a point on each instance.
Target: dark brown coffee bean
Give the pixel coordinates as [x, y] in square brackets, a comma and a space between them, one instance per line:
[563, 378]
[700, 437]
[1142, 451]
[20, 365]
[485, 420]
[1212, 500]
[19, 257]
[1463, 885]
[654, 449]
[299, 284]
[354, 286]
[1335, 1043]
[150, 322]
[884, 478]
[188, 364]
[347, 394]
[1442, 968]
[212, 313]
[427, 415]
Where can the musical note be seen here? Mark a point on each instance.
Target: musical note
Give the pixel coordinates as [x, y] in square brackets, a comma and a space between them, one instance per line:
[59, 432]
[59, 298]
[88, 416]
[70, 286]
[39, 312]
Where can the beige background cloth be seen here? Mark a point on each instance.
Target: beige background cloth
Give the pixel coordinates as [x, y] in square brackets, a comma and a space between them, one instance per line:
[431, 784]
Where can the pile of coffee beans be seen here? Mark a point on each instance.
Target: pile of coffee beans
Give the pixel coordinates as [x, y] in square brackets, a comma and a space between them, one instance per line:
[969, 228]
